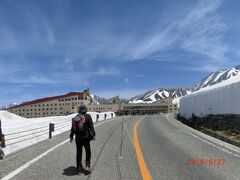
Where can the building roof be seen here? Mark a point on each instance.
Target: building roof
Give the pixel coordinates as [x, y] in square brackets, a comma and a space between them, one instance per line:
[47, 99]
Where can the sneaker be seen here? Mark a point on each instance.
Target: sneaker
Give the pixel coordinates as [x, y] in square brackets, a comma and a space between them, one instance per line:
[79, 173]
[88, 169]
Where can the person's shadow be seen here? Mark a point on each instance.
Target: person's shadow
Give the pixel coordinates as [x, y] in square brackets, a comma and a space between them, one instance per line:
[70, 171]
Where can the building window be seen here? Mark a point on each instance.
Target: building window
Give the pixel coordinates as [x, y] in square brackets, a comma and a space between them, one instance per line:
[47, 104]
[43, 109]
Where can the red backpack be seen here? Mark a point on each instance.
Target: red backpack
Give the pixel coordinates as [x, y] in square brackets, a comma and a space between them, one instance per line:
[77, 122]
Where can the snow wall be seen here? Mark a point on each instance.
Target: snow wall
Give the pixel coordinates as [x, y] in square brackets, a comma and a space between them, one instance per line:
[221, 100]
[21, 132]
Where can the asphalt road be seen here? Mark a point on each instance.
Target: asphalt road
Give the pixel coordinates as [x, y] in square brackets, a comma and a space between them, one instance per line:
[167, 146]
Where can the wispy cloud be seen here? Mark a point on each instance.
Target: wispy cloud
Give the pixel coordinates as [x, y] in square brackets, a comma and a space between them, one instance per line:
[106, 71]
[126, 80]
[206, 31]
[204, 68]
[199, 31]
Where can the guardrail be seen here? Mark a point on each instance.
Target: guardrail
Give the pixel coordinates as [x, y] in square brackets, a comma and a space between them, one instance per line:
[21, 136]
[16, 140]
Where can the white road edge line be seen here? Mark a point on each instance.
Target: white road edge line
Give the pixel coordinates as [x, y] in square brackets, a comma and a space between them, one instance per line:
[15, 172]
[203, 140]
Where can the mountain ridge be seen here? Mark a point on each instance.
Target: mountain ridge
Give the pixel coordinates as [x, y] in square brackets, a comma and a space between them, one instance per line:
[214, 79]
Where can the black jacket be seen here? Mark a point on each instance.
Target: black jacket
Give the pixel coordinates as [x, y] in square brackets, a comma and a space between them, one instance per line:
[88, 129]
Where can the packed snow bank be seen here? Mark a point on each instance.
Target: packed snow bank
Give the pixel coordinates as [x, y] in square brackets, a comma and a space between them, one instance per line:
[22, 132]
[215, 100]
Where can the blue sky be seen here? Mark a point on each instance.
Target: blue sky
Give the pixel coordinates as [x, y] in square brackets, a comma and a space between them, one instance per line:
[51, 47]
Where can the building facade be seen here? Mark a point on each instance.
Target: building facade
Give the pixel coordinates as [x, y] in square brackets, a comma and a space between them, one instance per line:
[52, 106]
[69, 103]
[163, 106]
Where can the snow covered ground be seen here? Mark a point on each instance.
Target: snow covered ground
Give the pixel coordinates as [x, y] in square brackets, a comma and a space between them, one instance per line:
[22, 132]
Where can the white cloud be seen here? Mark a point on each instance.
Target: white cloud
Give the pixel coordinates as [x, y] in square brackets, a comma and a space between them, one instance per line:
[202, 10]
[206, 68]
[126, 80]
[199, 31]
[205, 31]
[106, 71]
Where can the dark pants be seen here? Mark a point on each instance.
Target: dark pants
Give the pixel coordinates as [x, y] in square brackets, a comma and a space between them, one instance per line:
[79, 144]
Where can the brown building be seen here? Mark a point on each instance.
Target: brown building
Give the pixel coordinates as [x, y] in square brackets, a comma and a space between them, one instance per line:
[69, 103]
[52, 106]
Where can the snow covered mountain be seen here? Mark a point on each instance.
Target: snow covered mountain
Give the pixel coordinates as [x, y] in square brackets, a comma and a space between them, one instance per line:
[159, 94]
[213, 80]
[9, 106]
[227, 76]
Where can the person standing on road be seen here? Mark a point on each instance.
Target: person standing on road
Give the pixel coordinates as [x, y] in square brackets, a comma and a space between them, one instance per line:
[83, 129]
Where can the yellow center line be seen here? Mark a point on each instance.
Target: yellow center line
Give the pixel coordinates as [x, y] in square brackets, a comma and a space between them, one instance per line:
[143, 168]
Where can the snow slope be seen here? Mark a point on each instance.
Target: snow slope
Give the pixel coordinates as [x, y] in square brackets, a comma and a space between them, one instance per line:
[159, 94]
[22, 132]
[228, 76]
